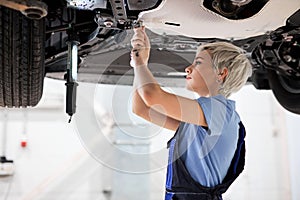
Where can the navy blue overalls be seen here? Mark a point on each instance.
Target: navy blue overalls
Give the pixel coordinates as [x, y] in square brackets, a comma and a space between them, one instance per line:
[181, 186]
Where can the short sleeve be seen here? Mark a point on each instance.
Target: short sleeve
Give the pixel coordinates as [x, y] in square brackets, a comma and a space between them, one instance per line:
[216, 111]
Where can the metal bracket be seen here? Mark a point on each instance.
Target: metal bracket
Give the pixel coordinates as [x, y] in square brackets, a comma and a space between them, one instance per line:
[119, 10]
[33, 9]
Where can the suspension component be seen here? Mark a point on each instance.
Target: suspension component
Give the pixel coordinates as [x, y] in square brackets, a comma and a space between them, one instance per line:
[33, 9]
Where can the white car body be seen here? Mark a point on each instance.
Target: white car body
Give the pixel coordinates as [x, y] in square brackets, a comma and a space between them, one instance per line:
[192, 19]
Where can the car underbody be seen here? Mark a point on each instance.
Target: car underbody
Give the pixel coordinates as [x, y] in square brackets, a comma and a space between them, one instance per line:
[89, 41]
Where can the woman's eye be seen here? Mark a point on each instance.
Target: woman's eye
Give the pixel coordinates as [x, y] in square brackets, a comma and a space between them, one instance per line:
[197, 62]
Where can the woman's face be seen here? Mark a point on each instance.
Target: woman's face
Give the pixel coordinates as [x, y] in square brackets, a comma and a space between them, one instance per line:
[201, 76]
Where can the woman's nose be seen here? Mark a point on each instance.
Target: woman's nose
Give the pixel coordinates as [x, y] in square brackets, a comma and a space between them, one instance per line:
[188, 69]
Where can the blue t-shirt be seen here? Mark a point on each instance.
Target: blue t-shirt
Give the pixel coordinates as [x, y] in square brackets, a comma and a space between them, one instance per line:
[207, 153]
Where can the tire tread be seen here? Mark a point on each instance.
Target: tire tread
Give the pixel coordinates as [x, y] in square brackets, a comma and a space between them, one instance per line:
[21, 59]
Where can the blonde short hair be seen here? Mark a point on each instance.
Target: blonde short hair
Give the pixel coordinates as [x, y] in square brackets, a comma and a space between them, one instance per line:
[227, 55]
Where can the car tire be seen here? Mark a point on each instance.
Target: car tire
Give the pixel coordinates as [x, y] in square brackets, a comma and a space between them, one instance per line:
[286, 91]
[22, 68]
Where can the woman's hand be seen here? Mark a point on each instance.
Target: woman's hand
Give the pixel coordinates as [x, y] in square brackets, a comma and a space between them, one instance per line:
[140, 48]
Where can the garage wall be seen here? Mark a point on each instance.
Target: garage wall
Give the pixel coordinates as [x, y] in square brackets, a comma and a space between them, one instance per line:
[293, 127]
[267, 172]
[59, 163]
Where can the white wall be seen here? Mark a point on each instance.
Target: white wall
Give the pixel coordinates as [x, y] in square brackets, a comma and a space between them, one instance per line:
[59, 162]
[293, 127]
[267, 171]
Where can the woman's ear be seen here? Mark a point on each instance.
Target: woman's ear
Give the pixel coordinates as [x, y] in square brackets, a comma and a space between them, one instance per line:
[222, 75]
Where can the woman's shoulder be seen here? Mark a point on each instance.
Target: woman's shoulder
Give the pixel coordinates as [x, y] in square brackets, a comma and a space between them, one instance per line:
[219, 111]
